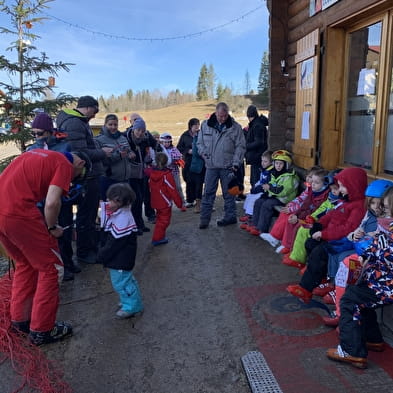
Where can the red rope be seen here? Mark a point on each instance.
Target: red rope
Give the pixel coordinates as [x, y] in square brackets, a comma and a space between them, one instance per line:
[27, 360]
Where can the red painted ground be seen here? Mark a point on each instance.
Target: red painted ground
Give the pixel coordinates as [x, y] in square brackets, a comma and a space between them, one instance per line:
[293, 340]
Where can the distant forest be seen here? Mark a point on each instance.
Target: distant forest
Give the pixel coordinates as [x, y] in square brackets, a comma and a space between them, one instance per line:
[207, 89]
[144, 100]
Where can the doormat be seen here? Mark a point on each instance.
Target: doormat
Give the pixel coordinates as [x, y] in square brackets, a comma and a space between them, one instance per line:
[293, 339]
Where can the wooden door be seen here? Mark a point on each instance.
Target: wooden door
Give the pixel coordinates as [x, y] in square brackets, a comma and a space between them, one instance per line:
[307, 81]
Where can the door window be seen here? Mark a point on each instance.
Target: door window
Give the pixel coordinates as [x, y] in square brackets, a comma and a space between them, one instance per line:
[361, 99]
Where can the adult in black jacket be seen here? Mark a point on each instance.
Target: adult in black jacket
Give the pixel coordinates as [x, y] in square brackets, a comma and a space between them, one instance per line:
[75, 123]
[185, 148]
[256, 141]
[140, 140]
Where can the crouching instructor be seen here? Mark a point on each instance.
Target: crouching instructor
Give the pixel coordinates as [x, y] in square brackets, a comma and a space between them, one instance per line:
[30, 238]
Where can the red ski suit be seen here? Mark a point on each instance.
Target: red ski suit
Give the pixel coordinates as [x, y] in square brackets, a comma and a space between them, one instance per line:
[24, 235]
[163, 192]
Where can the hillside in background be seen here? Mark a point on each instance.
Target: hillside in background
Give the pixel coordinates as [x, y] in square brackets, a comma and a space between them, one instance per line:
[172, 119]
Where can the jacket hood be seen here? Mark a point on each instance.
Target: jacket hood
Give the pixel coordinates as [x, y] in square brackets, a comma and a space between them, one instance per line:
[355, 181]
[66, 114]
[157, 174]
[260, 119]
[212, 122]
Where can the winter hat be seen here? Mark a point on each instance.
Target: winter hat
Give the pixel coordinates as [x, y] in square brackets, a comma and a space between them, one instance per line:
[87, 101]
[252, 111]
[155, 133]
[166, 137]
[139, 124]
[43, 121]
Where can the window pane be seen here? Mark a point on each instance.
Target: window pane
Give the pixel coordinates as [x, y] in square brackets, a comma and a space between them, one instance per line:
[389, 135]
[364, 51]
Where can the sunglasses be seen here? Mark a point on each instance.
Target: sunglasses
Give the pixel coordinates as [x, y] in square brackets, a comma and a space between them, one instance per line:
[38, 133]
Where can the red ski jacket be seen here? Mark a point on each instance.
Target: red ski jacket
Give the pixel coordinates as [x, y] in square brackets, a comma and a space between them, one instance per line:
[163, 189]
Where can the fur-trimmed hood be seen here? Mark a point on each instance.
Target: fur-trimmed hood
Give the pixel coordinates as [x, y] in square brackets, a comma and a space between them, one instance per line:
[212, 121]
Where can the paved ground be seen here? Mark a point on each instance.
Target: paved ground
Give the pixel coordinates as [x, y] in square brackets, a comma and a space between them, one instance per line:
[210, 297]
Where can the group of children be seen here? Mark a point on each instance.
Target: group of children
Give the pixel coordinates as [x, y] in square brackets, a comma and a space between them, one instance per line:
[338, 232]
[338, 228]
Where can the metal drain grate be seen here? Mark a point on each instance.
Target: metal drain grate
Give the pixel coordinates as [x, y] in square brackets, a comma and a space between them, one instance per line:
[259, 375]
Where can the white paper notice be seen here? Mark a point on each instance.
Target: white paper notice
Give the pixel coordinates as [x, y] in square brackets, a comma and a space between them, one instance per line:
[366, 82]
[306, 125]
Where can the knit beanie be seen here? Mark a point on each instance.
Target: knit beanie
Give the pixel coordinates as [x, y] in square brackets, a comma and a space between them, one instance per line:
[87, 101]
[43, 121]
[252, 111]
[139, 124]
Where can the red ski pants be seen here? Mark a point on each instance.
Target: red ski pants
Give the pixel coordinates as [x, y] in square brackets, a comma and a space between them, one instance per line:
[163, 219]
[39, 269]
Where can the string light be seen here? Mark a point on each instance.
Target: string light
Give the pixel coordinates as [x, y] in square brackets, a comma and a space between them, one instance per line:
[153, 39]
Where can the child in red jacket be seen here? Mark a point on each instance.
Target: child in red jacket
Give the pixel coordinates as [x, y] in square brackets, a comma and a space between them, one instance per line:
[163, 192]
[336, 224]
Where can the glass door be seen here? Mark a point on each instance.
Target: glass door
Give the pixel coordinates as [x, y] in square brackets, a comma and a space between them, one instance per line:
[388, 167]
[361, 97]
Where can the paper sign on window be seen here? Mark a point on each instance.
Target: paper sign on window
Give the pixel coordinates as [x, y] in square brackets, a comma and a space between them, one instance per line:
[306, 74]
[366, 82]
[305, 125]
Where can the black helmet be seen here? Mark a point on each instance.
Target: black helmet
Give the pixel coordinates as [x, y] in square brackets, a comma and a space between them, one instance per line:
[83, 156]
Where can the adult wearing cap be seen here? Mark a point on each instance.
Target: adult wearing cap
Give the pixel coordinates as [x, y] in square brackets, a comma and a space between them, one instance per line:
[75, 123]
[140, 141]
[222, 145]
[42, 129]
[30, 238]
[256, 142]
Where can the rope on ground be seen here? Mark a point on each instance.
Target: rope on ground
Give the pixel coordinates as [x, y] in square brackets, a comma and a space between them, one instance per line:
[27, 360]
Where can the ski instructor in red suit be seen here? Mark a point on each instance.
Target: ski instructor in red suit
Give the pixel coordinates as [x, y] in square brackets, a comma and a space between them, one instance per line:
[30, 238]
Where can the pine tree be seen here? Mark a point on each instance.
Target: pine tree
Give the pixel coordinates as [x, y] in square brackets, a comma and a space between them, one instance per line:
[264, 77]
[202, 87]
[30, 74]
[220, 92]
[210, 81]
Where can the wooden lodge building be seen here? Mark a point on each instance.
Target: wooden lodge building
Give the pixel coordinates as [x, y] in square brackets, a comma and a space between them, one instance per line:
[331, 81]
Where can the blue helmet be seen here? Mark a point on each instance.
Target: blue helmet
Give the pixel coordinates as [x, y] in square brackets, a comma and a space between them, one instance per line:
[329, 178]
[377, 188]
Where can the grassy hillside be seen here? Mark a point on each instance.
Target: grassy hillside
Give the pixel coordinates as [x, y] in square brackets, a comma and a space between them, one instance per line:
[172, 119]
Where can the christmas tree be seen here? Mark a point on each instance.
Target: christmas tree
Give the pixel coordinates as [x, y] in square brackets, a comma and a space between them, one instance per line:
[31, 76]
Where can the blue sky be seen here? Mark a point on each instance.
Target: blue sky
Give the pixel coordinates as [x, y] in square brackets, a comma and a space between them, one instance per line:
[106, 65]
